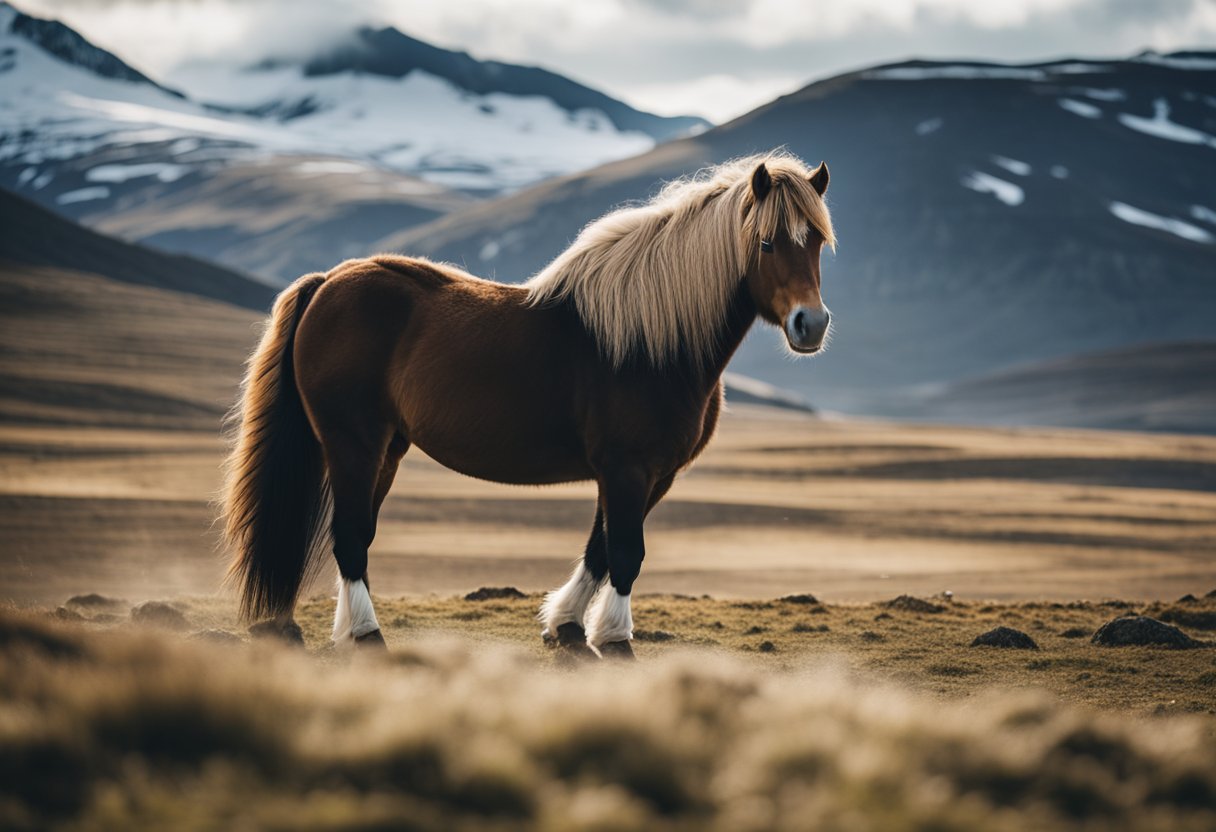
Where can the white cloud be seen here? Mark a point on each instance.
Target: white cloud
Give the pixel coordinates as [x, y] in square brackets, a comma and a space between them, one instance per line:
[717, 97]
[714, 57]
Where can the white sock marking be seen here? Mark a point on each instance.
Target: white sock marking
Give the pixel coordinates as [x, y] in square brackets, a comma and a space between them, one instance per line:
[569, 602]
[355, 615]
[610, 618]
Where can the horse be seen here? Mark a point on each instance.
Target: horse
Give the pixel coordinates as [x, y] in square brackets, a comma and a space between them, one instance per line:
[605, 366]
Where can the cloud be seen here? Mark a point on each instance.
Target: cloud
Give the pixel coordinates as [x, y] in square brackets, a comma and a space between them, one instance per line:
[716, 57]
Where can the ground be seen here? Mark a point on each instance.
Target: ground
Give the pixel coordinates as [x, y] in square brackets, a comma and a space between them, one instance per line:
[744, 711]
[781, 502]
[920, 644]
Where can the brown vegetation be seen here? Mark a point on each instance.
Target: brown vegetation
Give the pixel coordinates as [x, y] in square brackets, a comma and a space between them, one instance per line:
[128, 729]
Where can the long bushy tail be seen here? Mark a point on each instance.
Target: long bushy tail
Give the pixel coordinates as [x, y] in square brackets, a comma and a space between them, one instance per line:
[276, 497]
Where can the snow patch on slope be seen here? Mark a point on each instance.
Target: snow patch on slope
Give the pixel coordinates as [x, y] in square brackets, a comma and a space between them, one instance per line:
[1203, 214]
[1138, 216]
[1080, 108]
[1101, 95]
[1161, 127]
[1189, 62]
[1012, 165]
[163, 171]
[1006, 192]
[83, 195]
[969, 72]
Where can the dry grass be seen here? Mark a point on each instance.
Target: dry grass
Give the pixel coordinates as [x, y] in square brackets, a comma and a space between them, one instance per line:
[114, 727]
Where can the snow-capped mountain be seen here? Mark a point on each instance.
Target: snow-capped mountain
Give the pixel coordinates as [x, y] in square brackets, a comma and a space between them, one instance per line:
[279, 168]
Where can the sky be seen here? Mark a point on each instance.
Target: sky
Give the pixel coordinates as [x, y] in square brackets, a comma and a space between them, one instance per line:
[714, 58]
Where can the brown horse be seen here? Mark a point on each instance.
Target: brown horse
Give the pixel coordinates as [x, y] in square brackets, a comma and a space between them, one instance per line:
[605, 366]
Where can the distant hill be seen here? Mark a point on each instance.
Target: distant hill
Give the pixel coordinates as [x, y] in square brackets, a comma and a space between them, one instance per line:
[989, 215]
[1156, 387]
[34, 236]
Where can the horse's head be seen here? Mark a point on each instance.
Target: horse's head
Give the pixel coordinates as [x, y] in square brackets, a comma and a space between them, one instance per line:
[790, 233]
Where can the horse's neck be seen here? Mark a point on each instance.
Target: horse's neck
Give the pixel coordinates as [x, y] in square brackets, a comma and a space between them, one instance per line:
[740, 316]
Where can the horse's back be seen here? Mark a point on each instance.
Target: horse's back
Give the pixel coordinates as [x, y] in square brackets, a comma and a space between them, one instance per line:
[473, 375]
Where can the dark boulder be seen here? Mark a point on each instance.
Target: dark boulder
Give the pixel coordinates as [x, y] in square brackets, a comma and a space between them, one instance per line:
[1140, 629]
[1005, 637]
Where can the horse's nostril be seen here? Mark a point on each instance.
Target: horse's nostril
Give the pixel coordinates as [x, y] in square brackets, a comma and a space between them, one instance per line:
[801, 323]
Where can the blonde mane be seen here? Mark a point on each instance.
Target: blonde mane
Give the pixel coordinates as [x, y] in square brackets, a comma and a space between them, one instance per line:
[658, 277]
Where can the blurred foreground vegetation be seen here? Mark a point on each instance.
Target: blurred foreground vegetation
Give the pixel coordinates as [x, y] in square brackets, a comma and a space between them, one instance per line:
[105, 724]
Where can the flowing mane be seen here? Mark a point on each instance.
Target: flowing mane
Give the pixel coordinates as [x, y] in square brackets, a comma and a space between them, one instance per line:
[658, 277]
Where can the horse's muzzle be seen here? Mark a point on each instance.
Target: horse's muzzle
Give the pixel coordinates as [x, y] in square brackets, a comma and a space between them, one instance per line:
[806, 328]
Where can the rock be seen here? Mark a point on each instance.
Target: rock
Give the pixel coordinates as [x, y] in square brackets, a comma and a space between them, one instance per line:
[1187, 599]
[1140, 629]
[159, 614]
[767, 647]
[216, 637]
[491, 593]
[1005, 637]
[65, 614]
[870, 635]
[287, 632]
[909, 604]
[1075, 632]
[94, 600]
[805, 598]
[653, 635]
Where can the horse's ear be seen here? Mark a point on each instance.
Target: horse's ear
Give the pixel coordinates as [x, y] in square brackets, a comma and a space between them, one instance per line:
[762, 183]
[819, 179]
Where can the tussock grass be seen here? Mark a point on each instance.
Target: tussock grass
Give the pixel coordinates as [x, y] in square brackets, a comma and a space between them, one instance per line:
[128, 728]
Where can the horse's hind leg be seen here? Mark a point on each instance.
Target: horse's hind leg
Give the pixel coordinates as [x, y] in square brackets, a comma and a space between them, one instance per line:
[563, 609]
[360, 473]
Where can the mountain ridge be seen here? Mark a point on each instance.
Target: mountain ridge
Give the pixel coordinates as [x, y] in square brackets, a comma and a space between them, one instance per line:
[389, 52]
[71, 47]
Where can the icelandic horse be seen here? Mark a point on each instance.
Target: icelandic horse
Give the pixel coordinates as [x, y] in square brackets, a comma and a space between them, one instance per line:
[605, 366]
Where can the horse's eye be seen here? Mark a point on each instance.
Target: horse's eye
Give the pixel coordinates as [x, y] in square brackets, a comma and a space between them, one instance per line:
[766, 246]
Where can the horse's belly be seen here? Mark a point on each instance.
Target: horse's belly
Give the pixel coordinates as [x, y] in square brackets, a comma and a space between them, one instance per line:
[507, 459]
[497, 438]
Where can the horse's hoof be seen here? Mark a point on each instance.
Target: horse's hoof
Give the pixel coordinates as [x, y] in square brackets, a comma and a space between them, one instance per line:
[571, 634]
[574, 655]
[620, 650]
[288, 632]
[373, 641]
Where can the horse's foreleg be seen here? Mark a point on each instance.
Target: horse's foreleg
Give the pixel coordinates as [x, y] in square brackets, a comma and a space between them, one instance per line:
[563, 609]
[624, 498]
[359, 483]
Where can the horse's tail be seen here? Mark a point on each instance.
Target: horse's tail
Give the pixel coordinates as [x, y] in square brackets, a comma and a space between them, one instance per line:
[276, 498]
